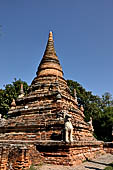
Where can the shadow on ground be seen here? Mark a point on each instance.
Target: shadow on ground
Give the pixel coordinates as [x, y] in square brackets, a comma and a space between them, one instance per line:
[92, 168]
[111, 165]
[95, 162]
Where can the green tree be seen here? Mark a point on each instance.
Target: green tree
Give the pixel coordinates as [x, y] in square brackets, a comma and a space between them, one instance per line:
[89, 101]
[103, 125]
[99, 108]
[10, 92]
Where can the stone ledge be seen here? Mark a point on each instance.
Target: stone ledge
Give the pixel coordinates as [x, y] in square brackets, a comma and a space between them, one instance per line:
[53, 143]
[75, 143]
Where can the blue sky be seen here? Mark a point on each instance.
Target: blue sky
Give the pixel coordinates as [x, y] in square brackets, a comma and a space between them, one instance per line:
[83, 35]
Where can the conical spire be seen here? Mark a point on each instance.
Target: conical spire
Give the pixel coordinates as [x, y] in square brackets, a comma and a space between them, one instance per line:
[50, 64]
[50, 36]
[50, 50]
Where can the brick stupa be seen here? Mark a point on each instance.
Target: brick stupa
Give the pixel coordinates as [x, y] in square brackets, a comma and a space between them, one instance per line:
[35, 129]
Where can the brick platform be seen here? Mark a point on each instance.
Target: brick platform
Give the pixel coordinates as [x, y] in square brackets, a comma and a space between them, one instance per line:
[35, 129]
[21, 154]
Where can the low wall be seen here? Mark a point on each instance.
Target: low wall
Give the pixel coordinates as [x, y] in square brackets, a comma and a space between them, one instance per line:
[19, 155]
[69, 154]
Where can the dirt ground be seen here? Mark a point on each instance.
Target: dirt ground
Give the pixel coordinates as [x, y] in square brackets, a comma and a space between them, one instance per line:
[96, 164]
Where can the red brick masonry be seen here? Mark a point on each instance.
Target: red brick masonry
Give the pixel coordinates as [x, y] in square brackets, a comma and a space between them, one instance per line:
[21, 154]
[34, 133]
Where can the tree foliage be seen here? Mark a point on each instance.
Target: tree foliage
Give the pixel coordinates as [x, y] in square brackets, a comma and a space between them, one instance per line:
[10, 92]
[99, 108]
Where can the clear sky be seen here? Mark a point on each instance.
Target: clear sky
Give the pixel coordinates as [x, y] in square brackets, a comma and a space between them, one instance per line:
[83, 35]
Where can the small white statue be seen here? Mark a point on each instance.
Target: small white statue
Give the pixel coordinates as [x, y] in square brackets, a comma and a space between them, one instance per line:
[91, 124]
[68, 129]
[68, 126]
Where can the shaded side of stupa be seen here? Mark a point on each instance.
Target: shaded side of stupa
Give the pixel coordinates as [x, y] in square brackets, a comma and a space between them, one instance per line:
[38, 122]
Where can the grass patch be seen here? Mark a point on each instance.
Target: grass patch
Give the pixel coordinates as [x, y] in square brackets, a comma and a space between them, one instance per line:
[110, 167]
[32, 168]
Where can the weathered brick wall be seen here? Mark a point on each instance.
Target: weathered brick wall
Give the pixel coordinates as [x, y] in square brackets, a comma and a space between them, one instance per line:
[31, 127]
[40, 121]
[35, 115]
[33, 122]
[70, 154]
[13, 157]
[20, 155]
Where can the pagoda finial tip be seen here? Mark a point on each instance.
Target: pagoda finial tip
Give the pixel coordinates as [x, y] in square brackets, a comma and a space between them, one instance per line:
[50, 35]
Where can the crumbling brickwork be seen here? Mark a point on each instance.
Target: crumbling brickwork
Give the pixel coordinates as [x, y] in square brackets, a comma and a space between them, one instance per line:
[21, 154]
[35, 128]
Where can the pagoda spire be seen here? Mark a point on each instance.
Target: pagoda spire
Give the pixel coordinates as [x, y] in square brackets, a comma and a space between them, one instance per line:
[50, 36]
[50, 50]
[50, 64]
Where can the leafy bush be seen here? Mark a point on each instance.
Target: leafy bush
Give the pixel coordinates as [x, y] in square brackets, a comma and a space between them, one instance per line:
[110, 167]
[32, 168]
